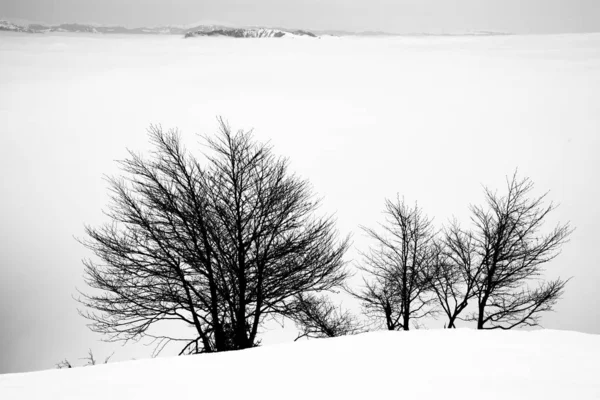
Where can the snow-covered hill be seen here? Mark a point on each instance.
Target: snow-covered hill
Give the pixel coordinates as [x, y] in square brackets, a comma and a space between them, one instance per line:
[200, 30]
[425, 364]
[106, 29]
[9, 26]
[246, 32]
[214, 30]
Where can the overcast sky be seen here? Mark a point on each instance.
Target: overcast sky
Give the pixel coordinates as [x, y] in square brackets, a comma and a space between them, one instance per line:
[402, 16]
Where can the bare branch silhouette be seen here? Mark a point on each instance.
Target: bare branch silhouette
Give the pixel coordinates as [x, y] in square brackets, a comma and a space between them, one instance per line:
[218, 247]
[504, 253]
[318, 317]
[400, 268]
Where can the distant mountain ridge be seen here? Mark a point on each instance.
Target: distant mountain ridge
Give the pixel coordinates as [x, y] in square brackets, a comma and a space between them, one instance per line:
[9, 26]
[200, 30]
[416, 34]
[88, 28]
[246, 32]
[213, 30]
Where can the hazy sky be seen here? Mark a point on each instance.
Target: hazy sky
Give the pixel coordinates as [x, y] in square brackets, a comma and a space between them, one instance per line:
[519, 16]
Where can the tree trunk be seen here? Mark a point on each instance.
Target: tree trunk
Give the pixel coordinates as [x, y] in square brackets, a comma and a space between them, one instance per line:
[406, 318]
[451, 322]
[240, 327]
[241, 338]
[388, 317]
[480, 317]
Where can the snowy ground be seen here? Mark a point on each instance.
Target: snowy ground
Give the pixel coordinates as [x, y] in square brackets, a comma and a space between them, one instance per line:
[462, 364]
[430, 118]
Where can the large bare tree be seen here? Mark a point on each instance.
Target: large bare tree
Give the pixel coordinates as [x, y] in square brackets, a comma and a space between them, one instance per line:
[220, 245]
[399, 268]
[497, 260]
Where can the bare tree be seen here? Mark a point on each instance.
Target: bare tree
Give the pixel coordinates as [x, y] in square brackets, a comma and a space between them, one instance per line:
[90, 358]
[400, 267]
[503, 254]
[64, 364]
[318, 317]
[455, 274]
[219, 247]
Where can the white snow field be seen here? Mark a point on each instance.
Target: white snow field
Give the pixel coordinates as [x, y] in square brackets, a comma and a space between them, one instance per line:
[435, 364]
[428, 118]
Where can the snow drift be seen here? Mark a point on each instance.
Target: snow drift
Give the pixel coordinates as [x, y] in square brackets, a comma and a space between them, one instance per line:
[424, 364]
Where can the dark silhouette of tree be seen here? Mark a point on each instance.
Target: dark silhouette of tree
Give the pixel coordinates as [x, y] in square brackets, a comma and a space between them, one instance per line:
[219, 246]
[318, 317]
[495, 261]
[454, 274]
[64, 364]
[400, 266]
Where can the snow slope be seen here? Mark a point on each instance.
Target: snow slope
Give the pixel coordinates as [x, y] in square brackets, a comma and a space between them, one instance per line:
[462, 364]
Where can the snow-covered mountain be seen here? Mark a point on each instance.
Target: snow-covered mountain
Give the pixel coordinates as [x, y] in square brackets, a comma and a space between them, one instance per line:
[200, 30]
[246, 32]
[11, 27]
[423, 364]
[81, 28]
[214, 30]
[86, 28]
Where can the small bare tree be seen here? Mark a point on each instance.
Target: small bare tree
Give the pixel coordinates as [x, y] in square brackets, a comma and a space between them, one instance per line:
[496, 261]
[318, 317]
[400, 267]
[90, 358]
[64, 364]
[512, 252]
